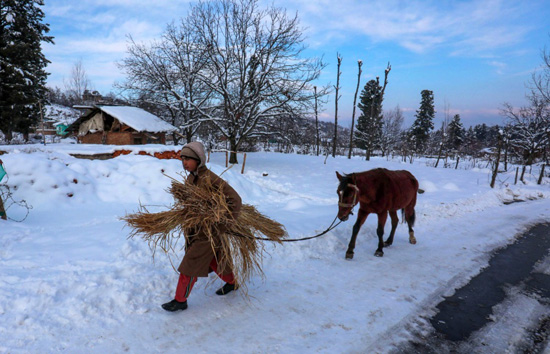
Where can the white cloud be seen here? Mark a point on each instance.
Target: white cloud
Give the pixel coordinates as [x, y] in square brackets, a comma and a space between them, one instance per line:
[466, 27]
[500, 66]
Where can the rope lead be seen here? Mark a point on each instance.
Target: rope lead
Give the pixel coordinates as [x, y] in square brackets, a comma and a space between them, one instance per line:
[331, 227]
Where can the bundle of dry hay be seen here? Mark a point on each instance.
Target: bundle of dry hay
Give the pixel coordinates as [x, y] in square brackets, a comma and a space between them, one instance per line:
[205, 209]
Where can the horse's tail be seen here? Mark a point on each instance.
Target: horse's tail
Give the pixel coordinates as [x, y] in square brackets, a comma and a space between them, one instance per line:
[411, 220]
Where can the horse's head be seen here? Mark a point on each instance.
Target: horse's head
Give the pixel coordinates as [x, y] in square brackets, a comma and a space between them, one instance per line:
[348, 196]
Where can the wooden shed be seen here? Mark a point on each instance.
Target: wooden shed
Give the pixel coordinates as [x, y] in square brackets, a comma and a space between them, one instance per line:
[120, 125]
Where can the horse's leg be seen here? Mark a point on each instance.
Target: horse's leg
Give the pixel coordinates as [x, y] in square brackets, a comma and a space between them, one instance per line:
[410, 216]
[394, 221]
[361, 217]
[380, 232]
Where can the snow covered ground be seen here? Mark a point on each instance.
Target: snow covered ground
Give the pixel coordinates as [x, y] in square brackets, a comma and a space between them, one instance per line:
[71, 280]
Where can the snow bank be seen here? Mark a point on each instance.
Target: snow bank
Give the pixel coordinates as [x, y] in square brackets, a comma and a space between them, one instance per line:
[71, 280]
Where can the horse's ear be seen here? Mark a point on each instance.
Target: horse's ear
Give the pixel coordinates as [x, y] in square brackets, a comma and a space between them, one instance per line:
[339, 176]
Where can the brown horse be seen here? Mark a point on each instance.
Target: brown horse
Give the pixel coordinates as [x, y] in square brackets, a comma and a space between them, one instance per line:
[378, 191]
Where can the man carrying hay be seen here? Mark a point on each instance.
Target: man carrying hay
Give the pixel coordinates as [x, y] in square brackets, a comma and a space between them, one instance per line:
[203, 250]
[221, 233]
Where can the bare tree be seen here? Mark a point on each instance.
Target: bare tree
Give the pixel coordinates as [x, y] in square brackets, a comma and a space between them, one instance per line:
[316, 120]
[392, 121]
[540, 80]
[444, 126]
[77, 84]
[336, 99]
[165, 74]
[254, 69]
[359, 64]
[540, 92]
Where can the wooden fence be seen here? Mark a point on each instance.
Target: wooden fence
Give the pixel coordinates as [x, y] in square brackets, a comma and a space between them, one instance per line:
[227, 157]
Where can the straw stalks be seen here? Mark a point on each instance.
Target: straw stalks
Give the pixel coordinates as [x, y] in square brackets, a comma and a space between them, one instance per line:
[203, 211]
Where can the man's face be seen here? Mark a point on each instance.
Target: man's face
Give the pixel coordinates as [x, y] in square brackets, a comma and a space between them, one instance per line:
[190, 164]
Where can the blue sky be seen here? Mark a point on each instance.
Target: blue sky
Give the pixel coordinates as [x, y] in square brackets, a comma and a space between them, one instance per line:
[474, 55]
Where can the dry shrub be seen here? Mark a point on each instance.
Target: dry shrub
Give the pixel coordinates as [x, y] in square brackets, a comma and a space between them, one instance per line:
[205, 210]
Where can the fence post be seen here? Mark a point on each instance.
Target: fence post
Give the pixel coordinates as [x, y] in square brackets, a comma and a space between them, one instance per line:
[244, 163]
[208, 160]
[226, 158]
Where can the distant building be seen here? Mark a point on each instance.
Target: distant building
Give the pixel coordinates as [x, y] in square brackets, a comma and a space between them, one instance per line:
[56, 119]
[119, 125]
[92, 97]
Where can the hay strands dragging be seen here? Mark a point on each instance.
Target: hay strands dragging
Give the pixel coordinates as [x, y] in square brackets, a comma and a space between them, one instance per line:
[204, 210]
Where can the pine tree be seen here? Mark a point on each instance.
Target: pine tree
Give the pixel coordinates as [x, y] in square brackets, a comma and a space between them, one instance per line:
[455, 133]
[423, 124]
[369, 123]
[22, 64]
[481, 132]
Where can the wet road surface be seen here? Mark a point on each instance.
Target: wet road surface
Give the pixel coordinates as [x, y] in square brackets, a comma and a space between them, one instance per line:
[471, 308]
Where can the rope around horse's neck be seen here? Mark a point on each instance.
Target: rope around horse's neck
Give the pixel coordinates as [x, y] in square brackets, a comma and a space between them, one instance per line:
[331, 227]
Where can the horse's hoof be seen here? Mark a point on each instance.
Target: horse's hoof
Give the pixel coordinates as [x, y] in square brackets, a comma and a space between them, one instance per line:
[387, 244]
[379, 254]
[349, 255]
[412, 240]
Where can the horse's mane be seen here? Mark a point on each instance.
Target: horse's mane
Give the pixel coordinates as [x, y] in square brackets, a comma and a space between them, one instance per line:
[346, 179]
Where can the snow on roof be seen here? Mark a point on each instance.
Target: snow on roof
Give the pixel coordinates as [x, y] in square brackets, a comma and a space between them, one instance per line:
[138, 119]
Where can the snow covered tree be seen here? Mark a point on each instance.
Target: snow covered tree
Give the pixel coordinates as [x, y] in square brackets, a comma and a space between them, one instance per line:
[169, 74]
[528, 128]
[423, 124]
[391, 130]
[255, 67]
[481, 132]
[22, 64]
[369, 124]
[455, 133]
[540, 81]
[540, 93]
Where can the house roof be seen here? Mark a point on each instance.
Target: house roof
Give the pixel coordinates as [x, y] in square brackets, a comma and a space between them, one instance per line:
[136, 118]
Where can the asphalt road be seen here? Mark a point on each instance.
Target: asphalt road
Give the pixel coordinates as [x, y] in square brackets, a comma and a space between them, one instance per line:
[505, 308]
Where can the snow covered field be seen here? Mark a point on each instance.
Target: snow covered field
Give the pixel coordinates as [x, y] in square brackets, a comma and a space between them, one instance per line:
[71, 280]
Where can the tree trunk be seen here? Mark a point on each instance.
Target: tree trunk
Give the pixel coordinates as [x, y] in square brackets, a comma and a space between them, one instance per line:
[541, 174]
[439, 154]
[506, 157]
[316, 122]
[359, 63]
[335, 138]
[233, 151]
[9, 136]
